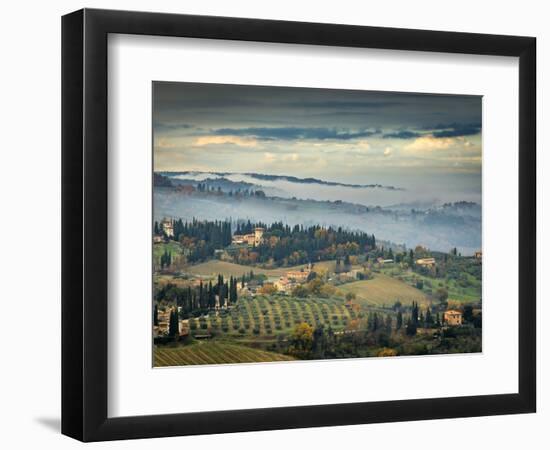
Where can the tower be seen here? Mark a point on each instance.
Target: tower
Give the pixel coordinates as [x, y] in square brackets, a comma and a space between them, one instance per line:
[168, 227]
[258, 235]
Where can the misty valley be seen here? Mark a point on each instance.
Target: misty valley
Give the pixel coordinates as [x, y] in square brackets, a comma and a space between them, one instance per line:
[438, 226]
[245, 270]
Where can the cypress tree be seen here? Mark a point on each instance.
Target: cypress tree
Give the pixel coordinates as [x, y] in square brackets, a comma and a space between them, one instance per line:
[225, 289]
[414, 313]
[211, 296]
[399, 323]
[389, 323]
[429, 318]
[375, 322]
[411, 327]
[173, 325]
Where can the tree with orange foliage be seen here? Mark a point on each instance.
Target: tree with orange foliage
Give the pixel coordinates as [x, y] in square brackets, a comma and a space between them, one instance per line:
[302, 337]
[268, 289]
[387, 352]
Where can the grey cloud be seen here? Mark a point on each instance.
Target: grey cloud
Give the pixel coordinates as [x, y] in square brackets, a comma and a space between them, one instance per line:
[291, 133]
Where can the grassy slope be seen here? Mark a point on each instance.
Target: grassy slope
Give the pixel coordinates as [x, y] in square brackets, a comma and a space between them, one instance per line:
[460, 294]
[212, 353]
[215, 267]
[173, 247]
[384, 290]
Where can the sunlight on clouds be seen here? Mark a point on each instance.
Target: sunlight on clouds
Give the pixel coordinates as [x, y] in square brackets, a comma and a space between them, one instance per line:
[465, 141]
[164, 143]
[429, 143]
[327, 134]
[363, 145]
[291, 157]
[171, 144]
[217, 140]
[269, 157]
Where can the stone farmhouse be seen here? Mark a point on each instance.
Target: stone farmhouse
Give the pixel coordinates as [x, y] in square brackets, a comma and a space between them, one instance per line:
[425, 262]
[254, 239]
[452, 317]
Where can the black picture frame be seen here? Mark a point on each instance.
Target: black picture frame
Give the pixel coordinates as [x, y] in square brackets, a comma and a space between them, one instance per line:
[84, 224]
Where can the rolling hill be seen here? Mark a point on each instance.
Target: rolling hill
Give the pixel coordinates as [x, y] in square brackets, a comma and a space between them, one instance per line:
[215, 267]
[384, 290]
[212, 353]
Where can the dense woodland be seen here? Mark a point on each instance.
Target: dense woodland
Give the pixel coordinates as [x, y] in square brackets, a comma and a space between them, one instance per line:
[200, 238]
[282, 244]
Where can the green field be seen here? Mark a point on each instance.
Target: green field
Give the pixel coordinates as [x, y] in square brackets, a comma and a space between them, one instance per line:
[384, 290]
[212, 353]
[171, 246]
[227, 269]
[471, 293]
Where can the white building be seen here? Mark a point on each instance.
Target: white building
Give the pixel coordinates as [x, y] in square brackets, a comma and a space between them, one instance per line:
[168, 227]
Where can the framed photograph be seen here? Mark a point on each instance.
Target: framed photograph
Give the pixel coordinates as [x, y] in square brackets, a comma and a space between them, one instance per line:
[273, 224]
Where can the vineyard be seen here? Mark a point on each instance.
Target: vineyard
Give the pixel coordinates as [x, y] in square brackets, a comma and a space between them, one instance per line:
[212, 353]
[266, 316]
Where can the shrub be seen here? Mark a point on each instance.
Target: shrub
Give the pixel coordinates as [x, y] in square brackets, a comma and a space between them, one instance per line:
[387, 352]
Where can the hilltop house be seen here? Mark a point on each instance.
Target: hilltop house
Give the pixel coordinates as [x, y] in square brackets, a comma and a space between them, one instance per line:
[255, 238]
[452, 317]
[298, 275]
[383, 261]
[163, 322]
[291, 279]
[425, 262]
[477, 255]
[167, 226]
[350, 274]
[283, 284]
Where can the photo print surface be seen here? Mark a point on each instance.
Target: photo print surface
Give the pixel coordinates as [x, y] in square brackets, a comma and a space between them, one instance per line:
[309, 224]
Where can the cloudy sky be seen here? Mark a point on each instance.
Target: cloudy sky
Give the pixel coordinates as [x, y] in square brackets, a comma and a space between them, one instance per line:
[401, 139]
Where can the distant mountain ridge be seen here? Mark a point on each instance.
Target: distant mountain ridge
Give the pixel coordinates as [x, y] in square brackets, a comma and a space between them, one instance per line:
[290, 178]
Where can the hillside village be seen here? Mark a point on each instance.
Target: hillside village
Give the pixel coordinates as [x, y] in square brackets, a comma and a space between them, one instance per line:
[352, 288]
